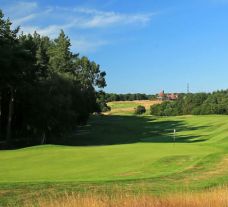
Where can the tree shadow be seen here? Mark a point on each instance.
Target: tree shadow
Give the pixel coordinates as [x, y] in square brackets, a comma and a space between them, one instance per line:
[113, 129]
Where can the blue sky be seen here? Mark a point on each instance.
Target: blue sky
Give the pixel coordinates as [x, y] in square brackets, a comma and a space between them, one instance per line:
[144, 46]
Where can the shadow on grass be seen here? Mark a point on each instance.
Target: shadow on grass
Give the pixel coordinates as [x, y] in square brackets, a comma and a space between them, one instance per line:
[109, 130]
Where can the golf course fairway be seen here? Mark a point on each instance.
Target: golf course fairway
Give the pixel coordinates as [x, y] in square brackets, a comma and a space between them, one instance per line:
[124, 150]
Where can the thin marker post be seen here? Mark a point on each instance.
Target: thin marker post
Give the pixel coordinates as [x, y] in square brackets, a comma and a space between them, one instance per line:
[174, 135]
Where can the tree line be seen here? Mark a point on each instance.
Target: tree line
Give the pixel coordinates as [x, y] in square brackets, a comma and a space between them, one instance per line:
[108, 97]
[194, 104]
[45, 88]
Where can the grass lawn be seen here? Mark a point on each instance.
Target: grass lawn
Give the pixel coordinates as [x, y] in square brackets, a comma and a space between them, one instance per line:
[128, 107]
[129, 152]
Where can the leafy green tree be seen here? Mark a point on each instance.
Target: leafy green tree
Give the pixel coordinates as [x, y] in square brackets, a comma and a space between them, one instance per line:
[16, 69]
[140, 110]
[45, 89]
[60, 57]
[102, 102]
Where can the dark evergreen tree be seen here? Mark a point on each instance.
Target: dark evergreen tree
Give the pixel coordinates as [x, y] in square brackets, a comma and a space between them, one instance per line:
[45, 89]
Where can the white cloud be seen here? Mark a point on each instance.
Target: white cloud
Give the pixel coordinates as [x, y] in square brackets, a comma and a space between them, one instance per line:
[24, 19]
[52, 31]
[49, 21]
[80, 44]
[82, 18]
[91, 18]
[21, 8]
[28, 29]
[98, 18]
[84, 45]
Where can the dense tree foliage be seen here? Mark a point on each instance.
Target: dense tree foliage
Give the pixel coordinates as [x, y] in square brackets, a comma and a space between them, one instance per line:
[127, 97]
[102, 102]
[140, 110]
[45, 89]
[196, 104]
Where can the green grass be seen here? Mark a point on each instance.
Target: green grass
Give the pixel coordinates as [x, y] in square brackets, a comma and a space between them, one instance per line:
[128, 107]
[122, 105]
[122, 108]
[131, 152]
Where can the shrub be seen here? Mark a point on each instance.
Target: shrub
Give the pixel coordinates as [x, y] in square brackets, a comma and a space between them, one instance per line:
[105, 108]
[140, 110]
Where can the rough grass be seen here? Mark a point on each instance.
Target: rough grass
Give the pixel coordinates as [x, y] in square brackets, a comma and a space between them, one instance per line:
[214, 198]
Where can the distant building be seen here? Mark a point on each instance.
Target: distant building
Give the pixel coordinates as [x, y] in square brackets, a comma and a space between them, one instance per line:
[162, 96]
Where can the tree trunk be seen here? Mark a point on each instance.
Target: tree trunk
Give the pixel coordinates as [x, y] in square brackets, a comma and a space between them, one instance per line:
[10, 115]
[43, 139]
[0, 114]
